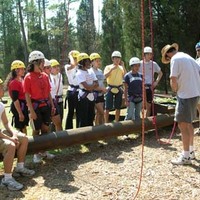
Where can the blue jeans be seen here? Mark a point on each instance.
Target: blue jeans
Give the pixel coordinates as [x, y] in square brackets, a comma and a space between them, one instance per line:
[133, 111]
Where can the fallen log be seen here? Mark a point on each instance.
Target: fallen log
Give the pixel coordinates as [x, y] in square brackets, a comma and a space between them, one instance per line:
[67, 138]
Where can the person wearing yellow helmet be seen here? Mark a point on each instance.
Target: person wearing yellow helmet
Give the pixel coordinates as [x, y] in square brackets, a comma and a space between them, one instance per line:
[72, 91]
[88, 82]
[12, 142]
[56, 119]
[100, 90]
[18, 107]
[57, 90]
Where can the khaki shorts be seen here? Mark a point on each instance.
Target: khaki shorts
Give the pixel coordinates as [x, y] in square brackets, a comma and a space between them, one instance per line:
[5, 142]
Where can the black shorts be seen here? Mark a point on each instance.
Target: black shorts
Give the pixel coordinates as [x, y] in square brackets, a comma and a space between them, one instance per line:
[100, 99]
[43, 116]
[149, 97]
[15, 121]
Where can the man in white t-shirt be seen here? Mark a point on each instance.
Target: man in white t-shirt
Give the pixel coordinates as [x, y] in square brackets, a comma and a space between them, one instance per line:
[150, 69]
[185, 81]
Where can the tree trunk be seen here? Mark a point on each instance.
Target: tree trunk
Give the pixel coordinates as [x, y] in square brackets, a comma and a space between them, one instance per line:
[23, 32]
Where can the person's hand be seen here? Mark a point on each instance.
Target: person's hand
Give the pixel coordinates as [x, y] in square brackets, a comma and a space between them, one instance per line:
[32, 115]
[15, 140]
[122, 63]
[103, 90]
[53, 111]
[21, 117]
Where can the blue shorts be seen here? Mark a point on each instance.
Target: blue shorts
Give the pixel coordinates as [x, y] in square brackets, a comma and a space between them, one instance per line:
[113, 100]
[186, 109]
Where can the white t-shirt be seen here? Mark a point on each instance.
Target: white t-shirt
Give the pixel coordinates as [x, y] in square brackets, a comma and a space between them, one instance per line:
[187, 71]
[57, 85]
[198, 61]
[2, 108]
[150, 70]
[71, 76]
[86, 76]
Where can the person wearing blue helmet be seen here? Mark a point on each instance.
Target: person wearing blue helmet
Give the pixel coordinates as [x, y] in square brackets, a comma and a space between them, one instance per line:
[197, 47]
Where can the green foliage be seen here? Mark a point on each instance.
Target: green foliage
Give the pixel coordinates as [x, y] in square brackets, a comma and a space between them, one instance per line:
[112, 36]
[86, 30]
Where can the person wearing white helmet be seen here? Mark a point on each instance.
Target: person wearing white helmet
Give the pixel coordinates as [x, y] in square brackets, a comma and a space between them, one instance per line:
[150, 69]
[37, 92]
[184, 81]
[197, 48]
[72, 91]
[114, 74]
[133, 90]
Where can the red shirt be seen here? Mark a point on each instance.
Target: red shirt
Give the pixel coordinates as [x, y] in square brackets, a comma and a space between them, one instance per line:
[16, 85]
[37, 85]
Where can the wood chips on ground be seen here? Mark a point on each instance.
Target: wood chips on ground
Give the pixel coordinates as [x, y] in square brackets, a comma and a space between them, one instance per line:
[110, 170]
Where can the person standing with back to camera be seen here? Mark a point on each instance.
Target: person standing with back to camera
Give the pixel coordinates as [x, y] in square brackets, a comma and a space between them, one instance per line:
[150, 69]
[185, 81]
[72, 91]
[114, 74]
[38, 97]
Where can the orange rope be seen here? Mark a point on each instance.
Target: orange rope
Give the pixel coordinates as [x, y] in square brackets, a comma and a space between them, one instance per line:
[143, 102]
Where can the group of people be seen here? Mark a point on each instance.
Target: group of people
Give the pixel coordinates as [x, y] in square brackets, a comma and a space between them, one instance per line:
[37, 98]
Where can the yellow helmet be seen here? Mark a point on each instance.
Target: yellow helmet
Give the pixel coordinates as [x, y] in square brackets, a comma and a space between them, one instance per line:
[74, 53]
[54, 63]
[82, 56]
[1, 81]
[94, 56]
[16, 64]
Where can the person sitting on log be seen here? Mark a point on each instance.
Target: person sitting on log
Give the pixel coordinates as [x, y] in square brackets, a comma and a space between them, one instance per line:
[12, 142]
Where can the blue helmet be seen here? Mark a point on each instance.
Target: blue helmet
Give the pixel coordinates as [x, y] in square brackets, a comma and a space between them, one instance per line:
[197, 46]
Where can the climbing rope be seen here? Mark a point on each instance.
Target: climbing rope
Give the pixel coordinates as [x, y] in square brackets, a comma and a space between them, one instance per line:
[143, 102]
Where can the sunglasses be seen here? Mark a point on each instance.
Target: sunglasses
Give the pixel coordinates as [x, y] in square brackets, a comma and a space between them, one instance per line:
[198, 50]
[47, 67]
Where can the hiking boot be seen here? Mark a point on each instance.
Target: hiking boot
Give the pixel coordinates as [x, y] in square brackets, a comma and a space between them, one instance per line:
[37, 158]
[11, 184]
[181, 160]
[24, 171]
[192, 155]
[47, 155]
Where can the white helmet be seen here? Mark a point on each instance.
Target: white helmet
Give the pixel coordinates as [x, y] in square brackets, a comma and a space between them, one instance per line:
[47, 63]
[148, 50]
[134, 60]
[35, 55]
[116, 54]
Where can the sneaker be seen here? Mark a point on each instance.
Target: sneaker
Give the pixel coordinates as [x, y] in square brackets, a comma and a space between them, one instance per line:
[192, 155]
[11, 184]
[181, 161]
[24, 171]
[37, 158]
[47, 155]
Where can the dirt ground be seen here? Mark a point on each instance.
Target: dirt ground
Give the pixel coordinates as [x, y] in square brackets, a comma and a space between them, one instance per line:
[111, 170]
